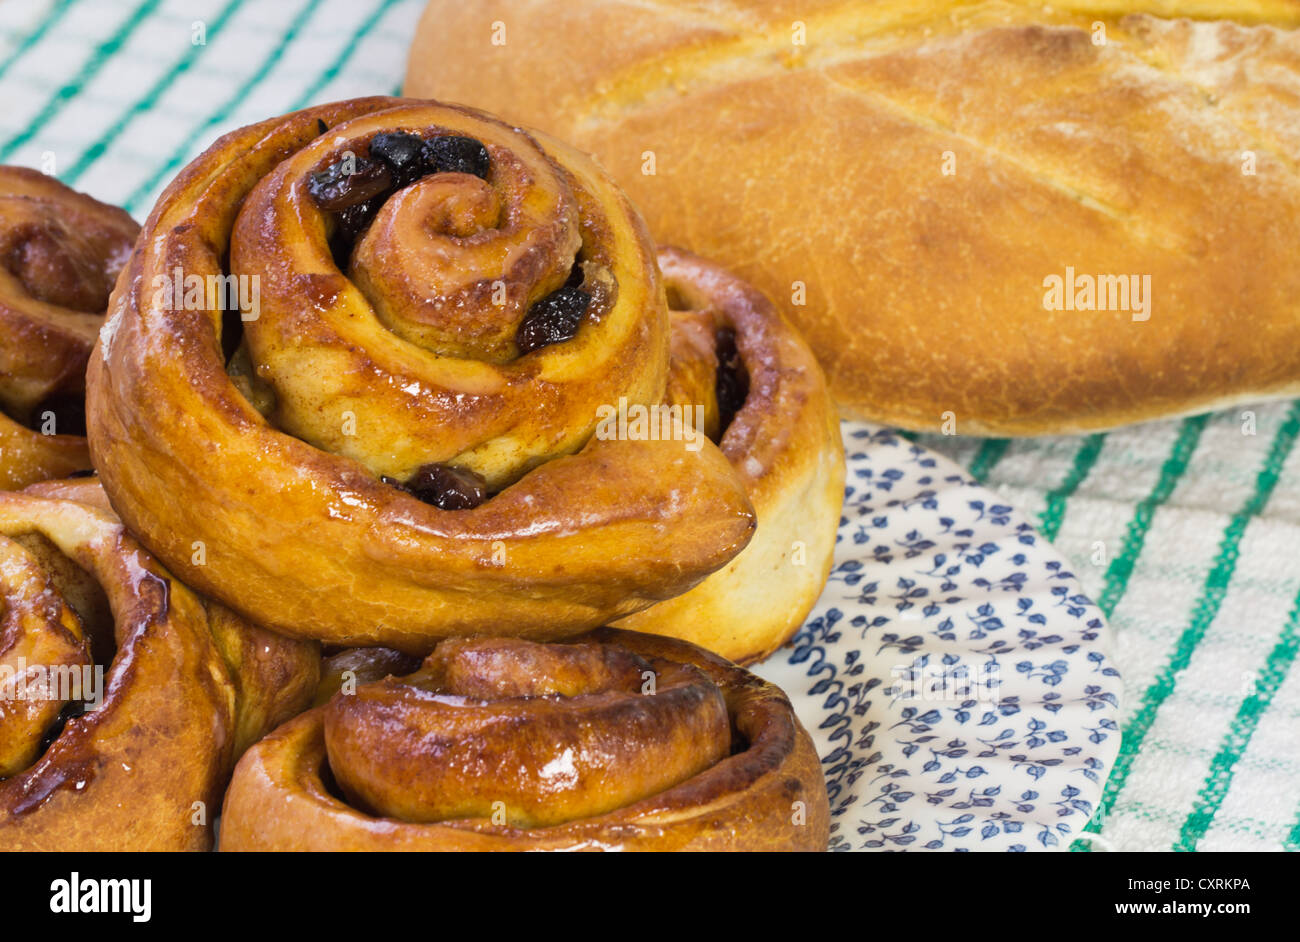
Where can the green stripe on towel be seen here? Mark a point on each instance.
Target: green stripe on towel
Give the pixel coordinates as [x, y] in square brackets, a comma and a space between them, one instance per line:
[150, 98]
[98, 59]
[1207, 607]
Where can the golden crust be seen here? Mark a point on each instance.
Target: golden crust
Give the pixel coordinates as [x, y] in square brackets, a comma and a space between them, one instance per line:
[823, 164]
[29, 456]
[768, 795]
[784, 444]
[60, 252]
[145, 769]
[313, 543]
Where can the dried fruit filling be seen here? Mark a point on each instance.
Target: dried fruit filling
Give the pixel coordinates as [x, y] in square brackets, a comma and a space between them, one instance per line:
[445, 486]
[355, 188]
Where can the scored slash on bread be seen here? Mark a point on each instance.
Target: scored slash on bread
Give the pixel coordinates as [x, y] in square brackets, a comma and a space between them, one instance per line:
[922, 168]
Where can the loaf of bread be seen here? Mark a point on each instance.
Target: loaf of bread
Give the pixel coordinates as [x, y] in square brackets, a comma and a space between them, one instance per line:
[987, 217]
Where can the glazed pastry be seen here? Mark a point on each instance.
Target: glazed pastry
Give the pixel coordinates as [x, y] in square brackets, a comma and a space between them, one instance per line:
[60, 252]
[124, 698]
[397, 445]
[352, 667]
[758, 389]
[616, 741]
[1002, 217]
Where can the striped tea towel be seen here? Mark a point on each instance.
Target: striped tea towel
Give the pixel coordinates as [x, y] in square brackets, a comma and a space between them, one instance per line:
[1187, 533]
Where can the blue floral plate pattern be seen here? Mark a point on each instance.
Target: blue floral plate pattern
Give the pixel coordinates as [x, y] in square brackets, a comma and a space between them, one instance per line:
[957, 682]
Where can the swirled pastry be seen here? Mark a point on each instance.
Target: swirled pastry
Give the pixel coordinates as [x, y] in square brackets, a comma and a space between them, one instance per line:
[386, 433]
[615, 741]
[60, 252]
[756, 387]
[124, 698]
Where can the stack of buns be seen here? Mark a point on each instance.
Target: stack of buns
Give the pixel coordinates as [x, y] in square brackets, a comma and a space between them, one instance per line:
[394, 408]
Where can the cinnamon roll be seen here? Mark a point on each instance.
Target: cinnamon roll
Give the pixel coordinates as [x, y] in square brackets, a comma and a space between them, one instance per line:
[124, 697]
[750, 381]
[60, 252]
[385, 434]
[611, 741]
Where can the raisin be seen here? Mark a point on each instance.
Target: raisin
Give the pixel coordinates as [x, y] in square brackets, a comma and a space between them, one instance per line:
[553, 319]
[404, 154]
[576, 276]
[732, 380]
[456, 155]
[447, 487]
[355, 219]
[334, 189]
[352, 222]
[444, 486]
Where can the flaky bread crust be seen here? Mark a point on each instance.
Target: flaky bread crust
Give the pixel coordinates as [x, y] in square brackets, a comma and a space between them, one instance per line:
[768, 796]
[823, 165]
[784, 443]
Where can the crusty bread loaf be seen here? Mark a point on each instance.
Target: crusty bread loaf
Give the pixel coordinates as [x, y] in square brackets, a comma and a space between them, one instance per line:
[938, 178]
